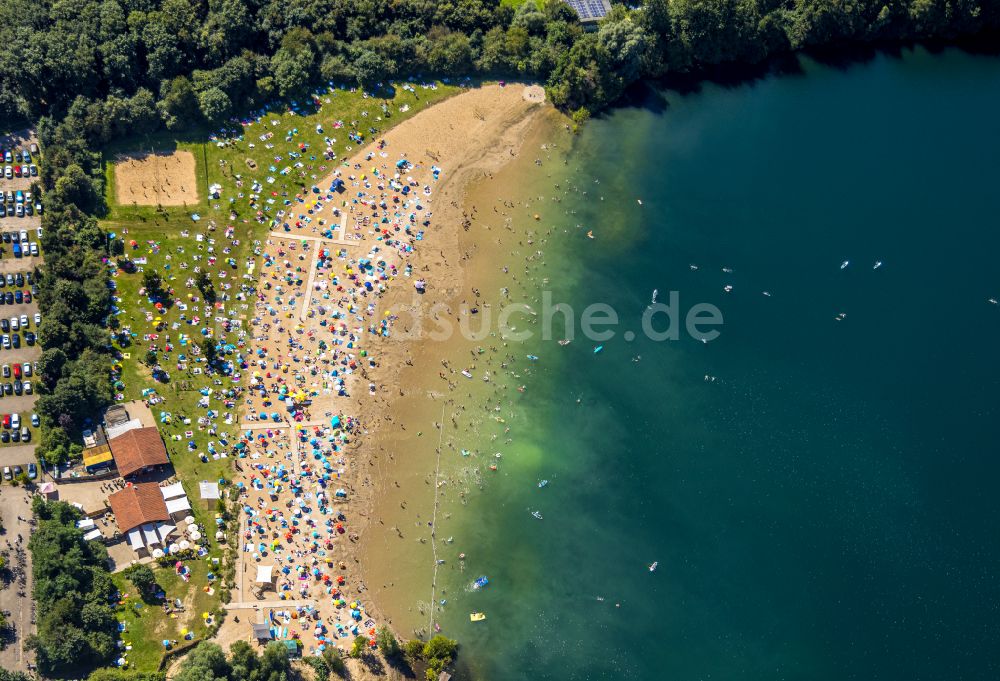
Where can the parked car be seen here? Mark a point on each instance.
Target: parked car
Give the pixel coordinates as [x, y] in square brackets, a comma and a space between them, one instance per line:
[19, 279]
[15, 323]
[26, 369]
[5, 325]
[17, 371]
[30, 337]
[18, 297]
[6, 371]
[5, 341]
[9, 297]
[15, 340]
[27, 387]
[6, 420]
[38, 315]
[15, 421]
[25, 434]
[18, 388]
[32, 469]
[17, 471]
[7, 388]
[33, 248]
[15, 435]
[4, 436]
[24, 320]
[7, 475]
[35, 420]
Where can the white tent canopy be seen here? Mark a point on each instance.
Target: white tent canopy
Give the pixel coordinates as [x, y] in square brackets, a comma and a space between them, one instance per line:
[165, 531]
[178, 505]
[208, 490]
[135, 539]
[172, 491]
[85, 524]
[149, 533]
[264, 574]
[93, 534]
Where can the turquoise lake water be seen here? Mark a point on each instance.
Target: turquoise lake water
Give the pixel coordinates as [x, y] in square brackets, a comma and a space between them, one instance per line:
[820, 494]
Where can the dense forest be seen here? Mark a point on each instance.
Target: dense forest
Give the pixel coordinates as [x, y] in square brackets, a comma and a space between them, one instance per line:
[73, 591]
[124, 64]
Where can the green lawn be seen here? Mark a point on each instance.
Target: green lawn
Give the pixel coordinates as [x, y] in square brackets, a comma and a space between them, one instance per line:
[146, 626]
[217, 163]
[169, 237]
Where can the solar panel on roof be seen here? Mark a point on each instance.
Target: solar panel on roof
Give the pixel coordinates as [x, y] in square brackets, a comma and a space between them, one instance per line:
[588, 9]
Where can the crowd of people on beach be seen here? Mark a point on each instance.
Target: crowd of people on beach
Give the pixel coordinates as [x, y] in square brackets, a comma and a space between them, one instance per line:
[295, 355]
[330, 254]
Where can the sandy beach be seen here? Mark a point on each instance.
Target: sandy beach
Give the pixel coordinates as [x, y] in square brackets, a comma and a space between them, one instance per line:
[328, 396]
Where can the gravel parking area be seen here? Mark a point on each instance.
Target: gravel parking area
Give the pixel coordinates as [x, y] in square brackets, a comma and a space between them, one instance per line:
[11, 228]
[15, 596]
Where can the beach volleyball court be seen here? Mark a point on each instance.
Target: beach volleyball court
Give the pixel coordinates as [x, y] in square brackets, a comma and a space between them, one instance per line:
[156, 179]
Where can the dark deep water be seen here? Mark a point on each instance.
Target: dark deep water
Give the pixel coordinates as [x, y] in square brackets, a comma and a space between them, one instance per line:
[825, 508]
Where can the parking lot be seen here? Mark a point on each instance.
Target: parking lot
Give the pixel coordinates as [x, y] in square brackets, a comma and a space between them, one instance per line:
[20, 211]
[15, 595]
[19, 348]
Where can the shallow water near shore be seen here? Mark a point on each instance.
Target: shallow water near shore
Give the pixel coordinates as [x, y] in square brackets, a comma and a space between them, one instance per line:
[817, 492]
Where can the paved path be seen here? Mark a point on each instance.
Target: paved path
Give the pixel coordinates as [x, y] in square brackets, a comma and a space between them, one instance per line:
[309, 237]
[259, 605]
[12, 504]
[307, 298]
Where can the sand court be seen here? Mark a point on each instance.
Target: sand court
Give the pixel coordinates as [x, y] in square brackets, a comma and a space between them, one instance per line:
[156, 179]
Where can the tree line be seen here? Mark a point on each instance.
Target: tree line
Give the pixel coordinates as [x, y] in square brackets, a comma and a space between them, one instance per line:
[136, 64]
[74, 296]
